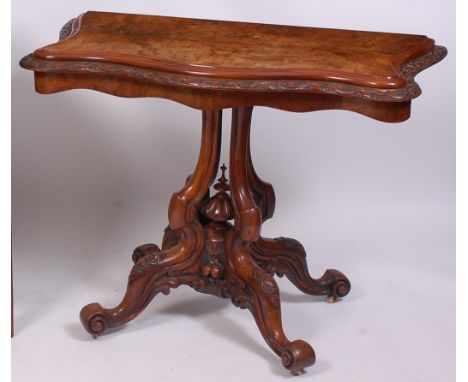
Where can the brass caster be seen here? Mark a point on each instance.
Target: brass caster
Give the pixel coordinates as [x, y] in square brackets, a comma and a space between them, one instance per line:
[331, 299]
[298, 372]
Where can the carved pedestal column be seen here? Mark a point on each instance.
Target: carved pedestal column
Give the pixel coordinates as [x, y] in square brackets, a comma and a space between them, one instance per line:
[203, 249]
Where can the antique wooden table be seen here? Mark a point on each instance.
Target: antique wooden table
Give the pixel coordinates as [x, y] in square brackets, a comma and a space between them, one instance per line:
[213, 65]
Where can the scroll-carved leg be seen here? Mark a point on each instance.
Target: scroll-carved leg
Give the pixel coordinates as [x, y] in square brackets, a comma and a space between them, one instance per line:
[179, 263]
[154, 271]
[285, 256]
[256, 290]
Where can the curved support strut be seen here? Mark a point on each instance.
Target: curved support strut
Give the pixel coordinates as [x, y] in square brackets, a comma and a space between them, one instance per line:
[184, 204]
[248, 217]
[262, 192]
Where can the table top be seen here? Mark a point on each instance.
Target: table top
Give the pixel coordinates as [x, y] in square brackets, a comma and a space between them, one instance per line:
[239, 50]
[239, 56]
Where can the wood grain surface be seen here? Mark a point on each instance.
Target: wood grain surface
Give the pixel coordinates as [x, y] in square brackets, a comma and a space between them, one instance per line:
[240, 50]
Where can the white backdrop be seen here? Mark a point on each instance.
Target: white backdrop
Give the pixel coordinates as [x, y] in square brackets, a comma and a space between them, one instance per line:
[92, 175]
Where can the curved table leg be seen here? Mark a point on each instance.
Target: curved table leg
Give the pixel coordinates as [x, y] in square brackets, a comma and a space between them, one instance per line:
[154, 271]
[285, 256]
[253, 287]
[257, 291]
[157, 271]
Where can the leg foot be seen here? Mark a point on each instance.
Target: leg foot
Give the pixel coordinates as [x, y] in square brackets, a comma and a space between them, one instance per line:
[93, 318]
[285, 256]
[298, 355]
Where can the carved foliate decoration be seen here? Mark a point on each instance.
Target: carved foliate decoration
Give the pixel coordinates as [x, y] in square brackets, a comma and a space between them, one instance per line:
[406, 93]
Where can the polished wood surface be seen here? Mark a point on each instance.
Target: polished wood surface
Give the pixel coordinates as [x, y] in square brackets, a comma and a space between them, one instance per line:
[213, 242]
[239, 50]
[215, 64]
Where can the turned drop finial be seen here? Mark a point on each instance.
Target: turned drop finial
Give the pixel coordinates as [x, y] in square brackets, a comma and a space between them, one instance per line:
[219, 207]
[222, 185]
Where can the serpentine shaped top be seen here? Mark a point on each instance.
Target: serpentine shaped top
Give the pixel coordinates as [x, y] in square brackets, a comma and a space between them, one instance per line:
[222, 55]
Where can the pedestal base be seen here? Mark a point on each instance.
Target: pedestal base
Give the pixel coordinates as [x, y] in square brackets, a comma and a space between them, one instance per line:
[202, 249]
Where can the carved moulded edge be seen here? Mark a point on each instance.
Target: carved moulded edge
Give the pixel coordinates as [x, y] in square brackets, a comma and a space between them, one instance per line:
[409, 70]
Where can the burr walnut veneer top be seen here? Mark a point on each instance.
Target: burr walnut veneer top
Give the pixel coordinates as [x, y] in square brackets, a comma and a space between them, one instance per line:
[211, 65]
[221, 49]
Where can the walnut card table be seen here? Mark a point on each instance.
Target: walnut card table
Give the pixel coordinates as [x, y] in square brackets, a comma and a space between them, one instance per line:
[214, 65]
